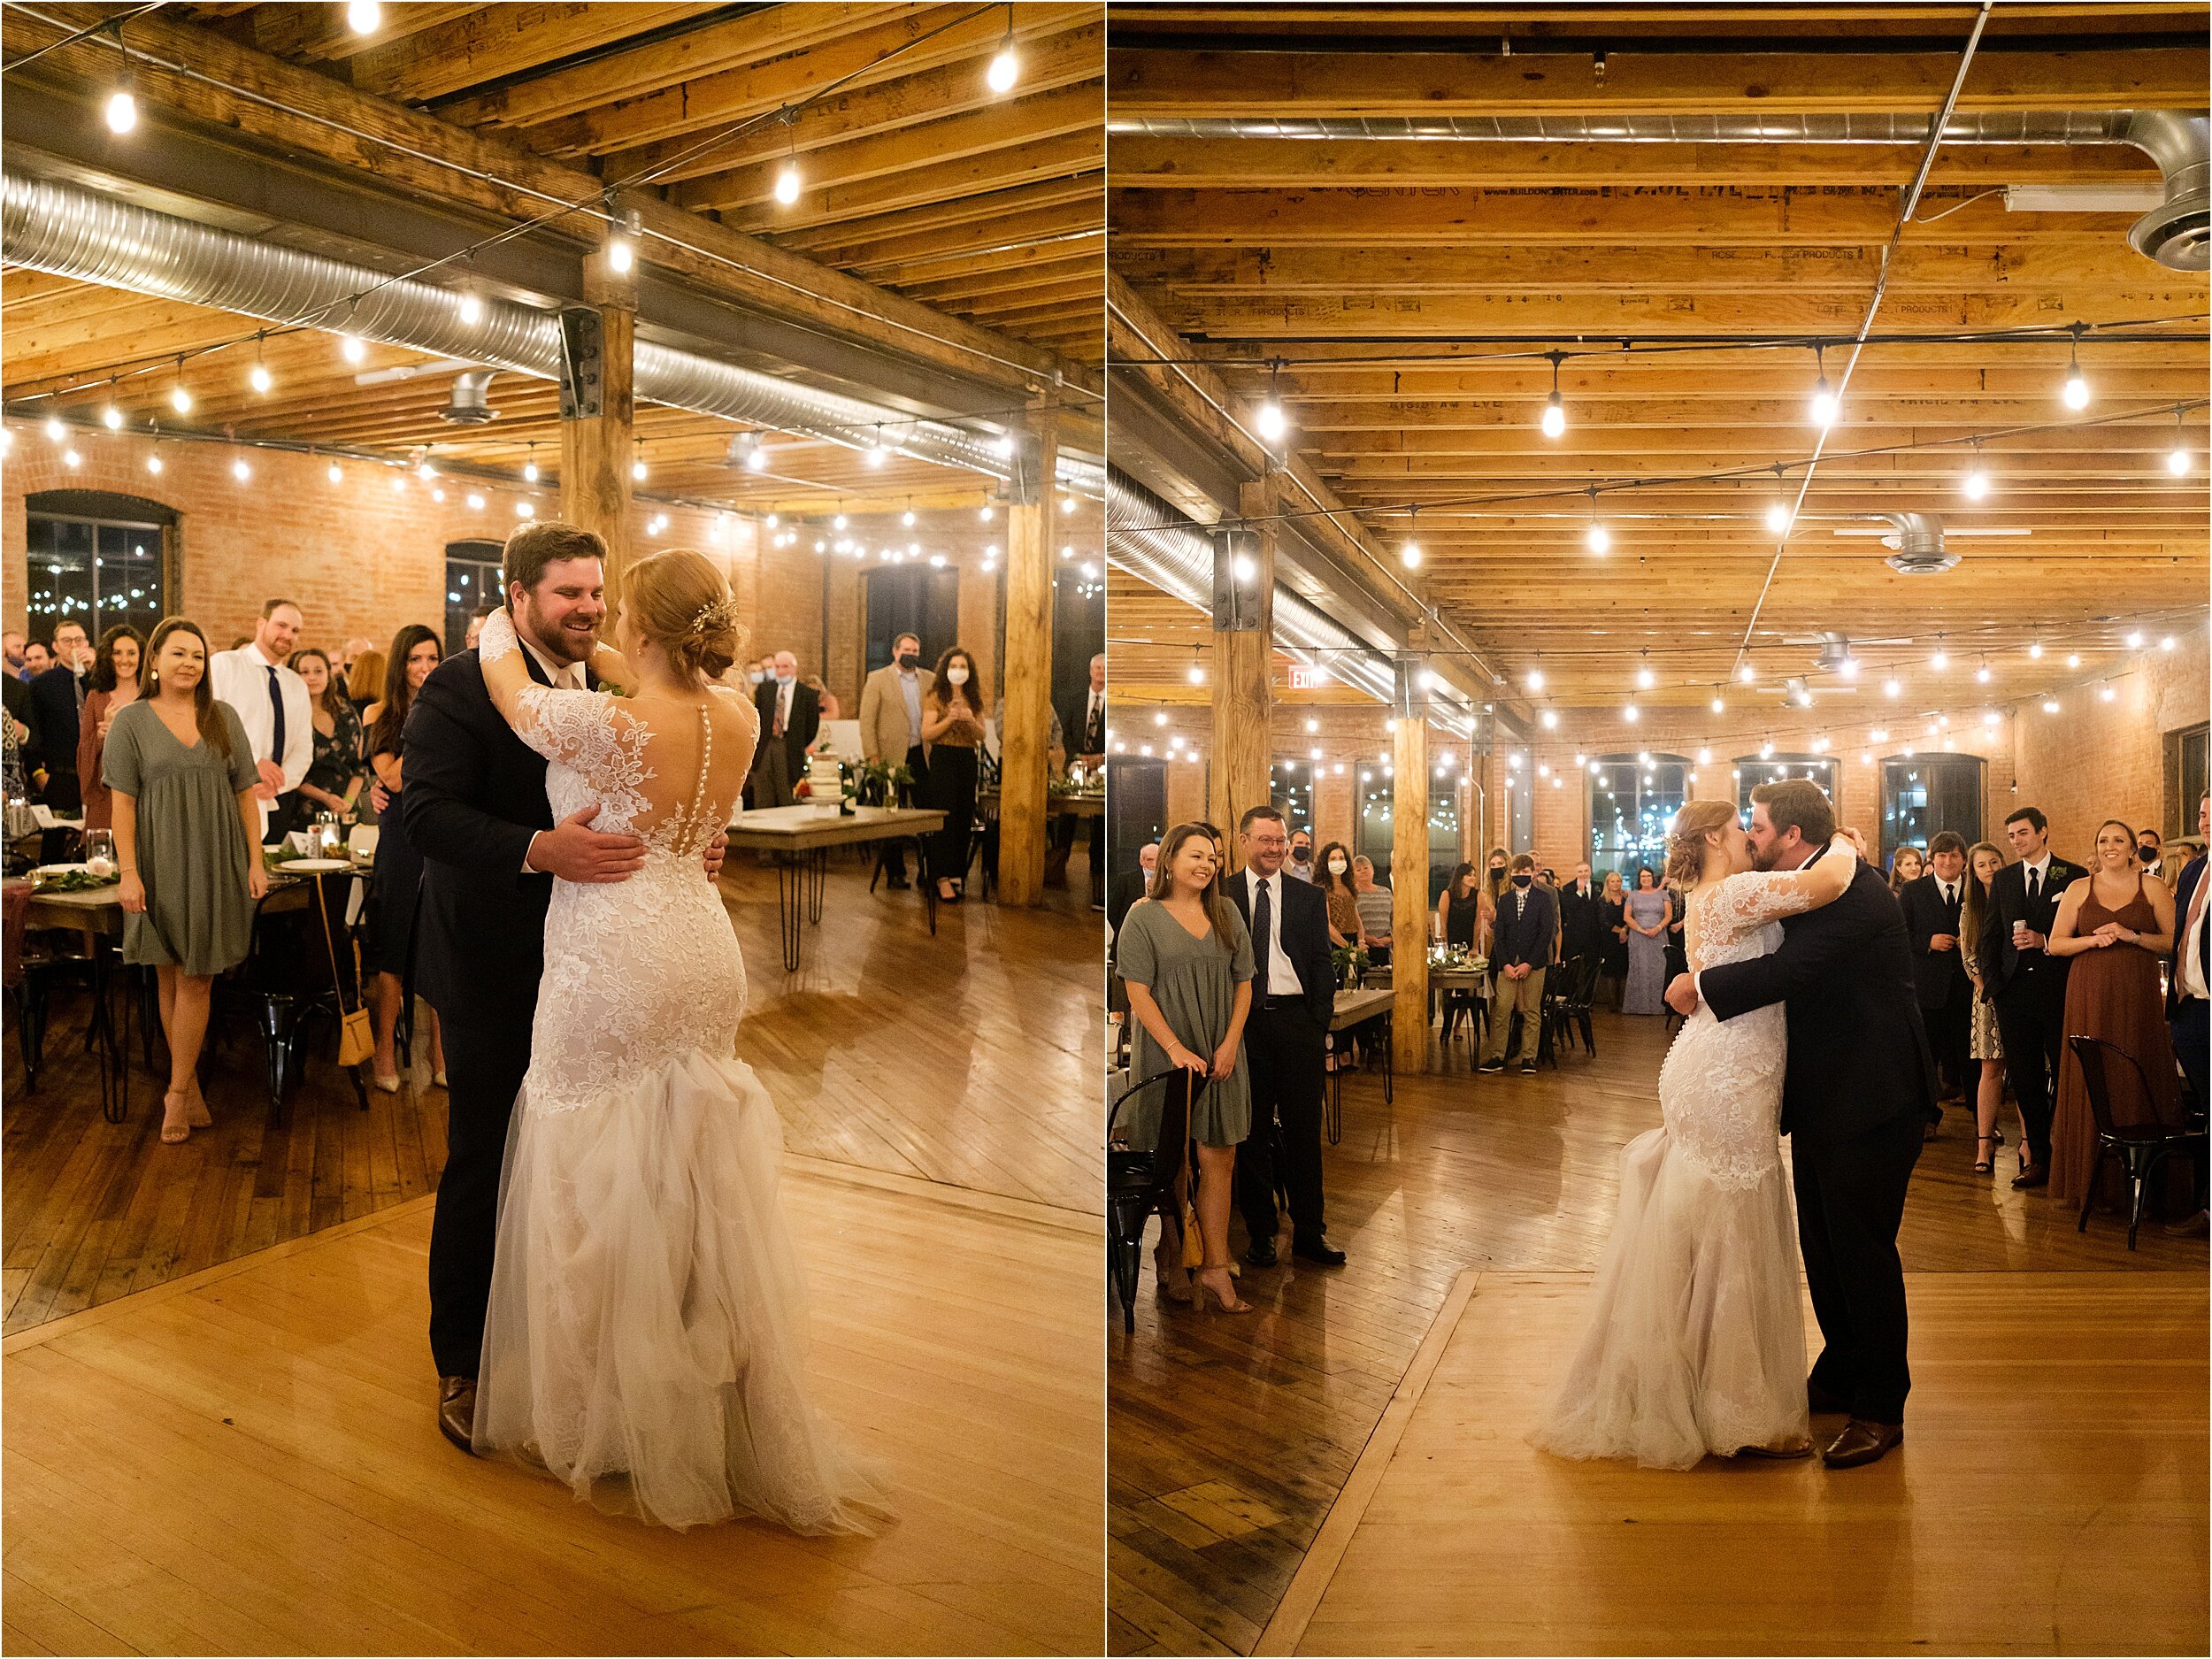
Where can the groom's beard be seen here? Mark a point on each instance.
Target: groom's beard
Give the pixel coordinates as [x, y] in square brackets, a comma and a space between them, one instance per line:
[1773, 856]
[562, 644]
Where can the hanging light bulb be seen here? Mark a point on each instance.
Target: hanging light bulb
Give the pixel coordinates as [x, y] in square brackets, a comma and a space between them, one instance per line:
[239, 471]
[1719, 703]
[757, 459]
[1535, 680]
[363, 16]
[1551, 719]
[121, 109]
[622, 241]
[1555, 411]
[2035, 651]
[1410, 555]
[1006, 68]
[1824, 407]
[352, 347]
[838, 523]
[987, 513]
[1067, 504]
[1644, 678]
[1631, 714]
[1942, 660]
[2177, 458]
[876, 455]
[787, 183]
[2073, 659]
[1270, 419]
[335, 474]
[1975, 485]
[1600, 540]
[472, 307]
[1981, 674]
[180, 399]
[1892, 688]
[112, 417]
[1779, 518]
[530, 466]
[56, 431]
[637, 466]
[2077, 390]
[906, 517]
[1747, 674]
[2107, 694]
[259, 379]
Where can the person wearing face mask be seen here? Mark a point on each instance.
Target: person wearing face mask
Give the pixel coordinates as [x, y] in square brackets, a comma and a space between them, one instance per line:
[790, 716]
[952, 726]
[1522, 936]
[891, 726]
[1299, 863]
[1332, 874]
[2149, 846]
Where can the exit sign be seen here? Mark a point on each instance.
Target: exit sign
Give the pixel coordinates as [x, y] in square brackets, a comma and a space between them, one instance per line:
[1308, 677]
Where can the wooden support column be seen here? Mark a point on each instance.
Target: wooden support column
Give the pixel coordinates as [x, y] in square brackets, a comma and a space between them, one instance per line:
[1243, 664]
[1021, 817]
[1409, 874]
[598, 411]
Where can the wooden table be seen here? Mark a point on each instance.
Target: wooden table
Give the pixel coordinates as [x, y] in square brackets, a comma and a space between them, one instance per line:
[1090, 804]
[801, 838]
[1357, 1008]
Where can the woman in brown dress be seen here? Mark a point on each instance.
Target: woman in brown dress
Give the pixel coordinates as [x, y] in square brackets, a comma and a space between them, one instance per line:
[2117, 923]
[114, 685]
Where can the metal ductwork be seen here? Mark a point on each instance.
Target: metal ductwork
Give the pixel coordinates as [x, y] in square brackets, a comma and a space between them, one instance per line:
[1918, 539]
[1151, 540]
[2174, 232]
[68, 232]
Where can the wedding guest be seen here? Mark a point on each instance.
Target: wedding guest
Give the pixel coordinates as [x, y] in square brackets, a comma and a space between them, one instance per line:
[36, 660]
[1080, 727]
[790, 719]
[1647, 914]
[1932, 906]
[890, 725]
[1581, 919]
[17, 697]
[1375, 918]
[188, 823]
[1985, 1046]
[1678, 949]
[2115, 924]
[1613, 915]
[1131, 886]
[57, 695]
[1185, 962]
[1301, 862]
[415, 652]
[333, 783]
[1462, 919]
[1905, 866]
[1526, 928]
[1292, 999]
[11, 660]
[114, 685]
[2027, 983]
[272, 704]
[824, 699]
[2189, 1001]
[952, 729]
[1333, 877]
[365, 678]
[477, 619]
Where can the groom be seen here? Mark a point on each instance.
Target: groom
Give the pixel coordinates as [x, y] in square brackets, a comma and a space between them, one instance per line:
[1859, 1089]
[475, 809]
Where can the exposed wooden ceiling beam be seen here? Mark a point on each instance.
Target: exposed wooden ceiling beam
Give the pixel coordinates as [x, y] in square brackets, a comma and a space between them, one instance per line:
[1069, 156]
[487, 41]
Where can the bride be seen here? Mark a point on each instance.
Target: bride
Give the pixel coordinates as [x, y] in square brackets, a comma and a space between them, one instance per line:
[647, 1322]
[1696, 1343]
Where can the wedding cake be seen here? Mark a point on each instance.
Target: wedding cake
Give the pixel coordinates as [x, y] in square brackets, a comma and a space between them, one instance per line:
[826, 783]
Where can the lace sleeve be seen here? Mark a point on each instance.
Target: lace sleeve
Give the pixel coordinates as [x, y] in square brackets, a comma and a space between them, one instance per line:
[592, 734]
[1757, 897]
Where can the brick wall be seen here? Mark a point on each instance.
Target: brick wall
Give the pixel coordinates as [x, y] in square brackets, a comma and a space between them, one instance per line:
[360, 556]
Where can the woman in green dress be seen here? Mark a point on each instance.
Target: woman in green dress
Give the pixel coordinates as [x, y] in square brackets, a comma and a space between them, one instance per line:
[188, 829]
[1186, 961]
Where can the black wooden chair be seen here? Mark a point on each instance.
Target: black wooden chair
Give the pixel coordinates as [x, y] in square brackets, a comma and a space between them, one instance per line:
[1566, 982]
[1133, 1193]
[2139, 1146]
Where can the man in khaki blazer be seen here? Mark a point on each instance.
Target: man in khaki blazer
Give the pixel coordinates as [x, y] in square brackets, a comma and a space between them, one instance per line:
[890, 725]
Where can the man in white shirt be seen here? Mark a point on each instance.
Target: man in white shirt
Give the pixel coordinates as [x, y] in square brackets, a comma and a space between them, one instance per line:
[2189, 997]
[271, 702]
[1931, 907]
[2026, 982]
[1286, 1041]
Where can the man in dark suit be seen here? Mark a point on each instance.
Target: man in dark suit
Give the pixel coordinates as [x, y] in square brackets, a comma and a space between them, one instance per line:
[57, 716]
[2027, 983]
[1858, 1092]
[1521, 941]
[1293, 998]
[1931, 923]
[1083, 729]
[2189, 997]
[790, 716]
[1581, 917]
[1128, 888]
[475, 808]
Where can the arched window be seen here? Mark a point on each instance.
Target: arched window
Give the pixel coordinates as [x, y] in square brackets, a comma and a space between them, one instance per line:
[1631, 800]
[96, 558]
[1753, 769]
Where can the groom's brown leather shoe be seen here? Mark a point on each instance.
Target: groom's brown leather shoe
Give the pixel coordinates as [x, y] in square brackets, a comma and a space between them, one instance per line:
[456, 1411]
[1863, 1442]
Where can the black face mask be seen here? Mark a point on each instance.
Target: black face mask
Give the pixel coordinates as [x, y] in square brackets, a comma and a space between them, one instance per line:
[908, 661]
[2148, 853]
[1302, 855]
[1522, 881]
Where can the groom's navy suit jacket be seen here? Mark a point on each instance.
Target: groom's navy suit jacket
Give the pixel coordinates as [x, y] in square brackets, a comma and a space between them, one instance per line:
[475, 795]
[1858, 1050]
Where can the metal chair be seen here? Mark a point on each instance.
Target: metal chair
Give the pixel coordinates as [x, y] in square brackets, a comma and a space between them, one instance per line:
[1133, 1192]
[2140, 1147]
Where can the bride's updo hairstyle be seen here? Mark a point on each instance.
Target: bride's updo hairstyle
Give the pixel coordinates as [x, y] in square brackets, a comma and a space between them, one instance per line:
[1685, 838]
[680, 602]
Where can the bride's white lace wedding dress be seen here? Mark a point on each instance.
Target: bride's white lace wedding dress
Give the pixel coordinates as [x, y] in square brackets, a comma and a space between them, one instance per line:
[647, 1328]
[1696, 1341]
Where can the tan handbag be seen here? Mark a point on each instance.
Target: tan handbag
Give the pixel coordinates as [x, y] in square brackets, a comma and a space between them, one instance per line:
[357, 1042]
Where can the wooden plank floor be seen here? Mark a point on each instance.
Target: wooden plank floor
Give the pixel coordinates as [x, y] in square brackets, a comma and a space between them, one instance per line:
[2050, 1497]
[971, 1059]
[1229, 1439]
[246, 1462]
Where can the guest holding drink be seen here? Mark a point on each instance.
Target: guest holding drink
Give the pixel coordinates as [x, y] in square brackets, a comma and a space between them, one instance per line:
[333, 783]
[181, 778]
[1186, 961]
[952, 731]
[1985, 1047]
[2115, 924]
[112, 686]
[415, 652]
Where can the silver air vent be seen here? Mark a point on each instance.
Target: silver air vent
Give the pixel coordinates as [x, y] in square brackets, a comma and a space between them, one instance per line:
[467, 406]
[1917, 538]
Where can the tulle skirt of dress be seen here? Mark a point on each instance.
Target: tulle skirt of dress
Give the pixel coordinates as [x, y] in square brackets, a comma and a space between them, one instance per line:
[1696, 1340]
[646, 1336]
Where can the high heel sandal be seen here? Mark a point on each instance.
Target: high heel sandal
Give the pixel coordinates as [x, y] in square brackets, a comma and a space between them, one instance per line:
[175, 1134]
[1985, 1162]
[1213, 1299]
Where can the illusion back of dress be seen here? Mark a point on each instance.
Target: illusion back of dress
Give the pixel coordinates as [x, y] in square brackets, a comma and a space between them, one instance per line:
[1720, 1089]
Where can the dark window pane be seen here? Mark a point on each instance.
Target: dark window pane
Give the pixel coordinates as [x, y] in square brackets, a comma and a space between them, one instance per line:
[1631, 803]
[1923, 794]
[1751, 771]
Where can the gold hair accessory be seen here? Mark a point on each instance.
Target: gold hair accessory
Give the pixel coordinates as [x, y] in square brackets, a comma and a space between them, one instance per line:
[720, 614]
